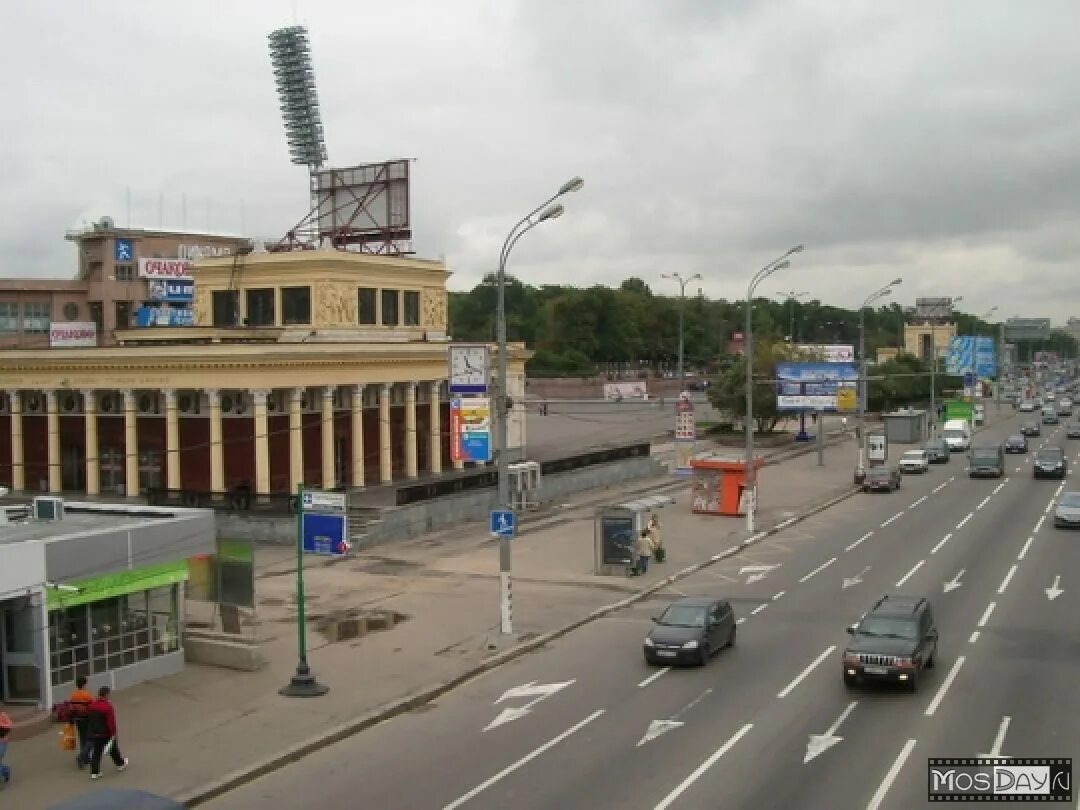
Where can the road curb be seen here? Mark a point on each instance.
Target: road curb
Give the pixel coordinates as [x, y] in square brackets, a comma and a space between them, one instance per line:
[238, 778]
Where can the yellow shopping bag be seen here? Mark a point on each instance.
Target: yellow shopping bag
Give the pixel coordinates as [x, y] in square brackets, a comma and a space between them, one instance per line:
[67, 737]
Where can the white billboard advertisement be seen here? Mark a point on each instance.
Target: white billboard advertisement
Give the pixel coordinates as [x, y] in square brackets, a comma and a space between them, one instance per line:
[72, 335]
[165, 268]
[831, 353]
[625, 390]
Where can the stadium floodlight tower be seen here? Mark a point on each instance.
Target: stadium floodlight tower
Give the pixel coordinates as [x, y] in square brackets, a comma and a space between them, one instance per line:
[290, 54]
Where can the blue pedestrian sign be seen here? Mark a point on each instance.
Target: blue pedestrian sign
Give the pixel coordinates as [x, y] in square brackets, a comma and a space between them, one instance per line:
[969, 379]
[503, 523]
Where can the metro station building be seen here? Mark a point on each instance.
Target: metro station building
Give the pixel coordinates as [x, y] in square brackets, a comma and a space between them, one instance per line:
[322, 367]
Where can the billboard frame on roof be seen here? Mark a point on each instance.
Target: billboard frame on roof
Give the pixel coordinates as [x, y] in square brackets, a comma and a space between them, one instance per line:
[929, 309]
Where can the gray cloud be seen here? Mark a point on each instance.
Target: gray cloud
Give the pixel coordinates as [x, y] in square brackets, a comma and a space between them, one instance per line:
[930, 140]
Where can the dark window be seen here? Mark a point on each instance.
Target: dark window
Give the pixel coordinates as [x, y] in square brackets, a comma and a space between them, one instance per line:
[96, 316]
[123, 312]
[9, 317]
[125, 272]
[365, 306]
[295, 305]
[225, 304]
[412, 308]
[390, 308]
[260, 307]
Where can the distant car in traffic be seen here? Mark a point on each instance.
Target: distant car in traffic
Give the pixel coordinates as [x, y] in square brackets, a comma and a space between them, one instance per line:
[1029, 427]
[1067, 511]
[937, 450]
[894, 642]
[1073, 430]
[690, 630]
[1064, 408]
[1049, 462]
[1049, 416]
[1027, 406]
[1017, 443]
[881, 478]
[915, 461]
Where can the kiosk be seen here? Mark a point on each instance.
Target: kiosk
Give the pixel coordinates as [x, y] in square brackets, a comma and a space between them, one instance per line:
[717, 483]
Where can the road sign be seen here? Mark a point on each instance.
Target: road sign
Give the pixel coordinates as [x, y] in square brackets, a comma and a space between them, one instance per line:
[317, 501]
[326, 534]
[969, 379]
[503, 523]
[846, 398]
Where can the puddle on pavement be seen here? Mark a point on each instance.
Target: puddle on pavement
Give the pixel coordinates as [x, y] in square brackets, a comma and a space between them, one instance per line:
[353, 623]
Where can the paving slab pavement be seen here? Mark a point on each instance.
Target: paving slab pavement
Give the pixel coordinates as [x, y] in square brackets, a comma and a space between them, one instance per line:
[188, 730]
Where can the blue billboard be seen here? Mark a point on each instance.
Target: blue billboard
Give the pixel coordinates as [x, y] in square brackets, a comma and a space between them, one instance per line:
[812, 386]
[179, 291]
[164, 316]
[967, 354]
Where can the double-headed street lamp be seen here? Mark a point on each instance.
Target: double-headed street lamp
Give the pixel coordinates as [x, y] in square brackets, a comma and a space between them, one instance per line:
[870, 299]
[933, 364]
[748, 348]
[548, 209]
[682, 306]
[791, 296]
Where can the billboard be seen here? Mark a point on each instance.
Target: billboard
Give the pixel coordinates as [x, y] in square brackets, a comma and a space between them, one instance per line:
[928, 309]
[164, 316]
[172, 290]
[72, 335]
[470, 429]
[625, 390]
[969, 354]
[363, 204]
[831, 353]
[1027, 329]
[812, 386]
[165, 268]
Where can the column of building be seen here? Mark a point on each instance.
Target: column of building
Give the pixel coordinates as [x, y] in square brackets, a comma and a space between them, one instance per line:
[90, 431]
[131, 445]
[18, 462]
[52, 433]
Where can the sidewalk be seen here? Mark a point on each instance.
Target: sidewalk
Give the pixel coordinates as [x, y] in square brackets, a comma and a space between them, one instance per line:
[185, 731]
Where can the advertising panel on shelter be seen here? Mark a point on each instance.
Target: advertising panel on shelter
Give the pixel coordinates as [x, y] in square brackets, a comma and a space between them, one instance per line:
[470, 429]
[812, 386]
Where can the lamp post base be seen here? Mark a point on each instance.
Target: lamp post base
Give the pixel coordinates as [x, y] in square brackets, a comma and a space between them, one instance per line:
[303, 684]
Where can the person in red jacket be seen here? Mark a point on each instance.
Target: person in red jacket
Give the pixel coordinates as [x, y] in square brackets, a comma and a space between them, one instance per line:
[103, 734]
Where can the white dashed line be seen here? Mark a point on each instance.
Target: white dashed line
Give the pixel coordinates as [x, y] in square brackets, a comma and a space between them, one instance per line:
[986, 615]
[984, 502]
[944, 540]
[897, 516]
[725, 553]
[1024, 550]
[1049, 506]
[819, 569]
[890, 777]
[1039, 524]
[857, 542]
[786, 523]
[787, 690]
[759, 608]
[970, 515]
[939, 487]
[1018, 469]
[778, 595]
[923, 498]
[1008, 577]
[742, 620]
[997, 489]
[944, 687]
[668, 800]
[653, 677]
[974, 637]
[910, 573]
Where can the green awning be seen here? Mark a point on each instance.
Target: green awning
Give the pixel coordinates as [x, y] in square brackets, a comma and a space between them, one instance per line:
[120, 583]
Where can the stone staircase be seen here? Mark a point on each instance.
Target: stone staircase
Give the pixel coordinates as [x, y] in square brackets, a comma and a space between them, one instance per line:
[361, 521]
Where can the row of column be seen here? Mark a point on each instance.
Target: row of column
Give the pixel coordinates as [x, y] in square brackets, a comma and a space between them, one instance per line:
[262, 445]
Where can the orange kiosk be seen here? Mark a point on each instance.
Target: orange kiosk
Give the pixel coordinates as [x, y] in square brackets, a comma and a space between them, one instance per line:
[717, 483]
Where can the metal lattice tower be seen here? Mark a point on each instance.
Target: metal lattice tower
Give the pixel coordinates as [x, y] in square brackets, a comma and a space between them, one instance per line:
[290, 54]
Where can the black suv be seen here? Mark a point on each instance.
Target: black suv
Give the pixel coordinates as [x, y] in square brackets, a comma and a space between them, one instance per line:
[895, 641]
[1049, 463]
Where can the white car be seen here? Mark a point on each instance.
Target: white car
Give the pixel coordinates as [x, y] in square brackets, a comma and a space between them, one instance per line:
[1027, 406]
[914, 461]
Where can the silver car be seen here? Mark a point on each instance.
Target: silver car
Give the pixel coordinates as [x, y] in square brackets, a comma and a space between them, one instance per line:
[915, 461]
[1067, 512]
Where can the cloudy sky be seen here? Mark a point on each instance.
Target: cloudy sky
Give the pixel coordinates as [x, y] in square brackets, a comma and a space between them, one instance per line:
[936, 141]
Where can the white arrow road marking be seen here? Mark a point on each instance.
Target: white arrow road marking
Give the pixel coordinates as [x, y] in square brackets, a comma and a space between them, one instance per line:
[855, 580]
[819, 569]
[890, 777]
[668, 800]
[531, 689]
[897, 516]
[1024, 550]
[1005, 582]
[955, 582]
[1053, 592]
[658, 727]
[525, 760]
[756, 572]
[857, 542]
[944, 687]
[910, 573]
[999, 740]
[944, 540]
[787, 690]
[820, 743]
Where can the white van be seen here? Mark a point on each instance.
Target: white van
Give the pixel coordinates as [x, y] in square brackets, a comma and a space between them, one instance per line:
[957, 434]
[978, 413]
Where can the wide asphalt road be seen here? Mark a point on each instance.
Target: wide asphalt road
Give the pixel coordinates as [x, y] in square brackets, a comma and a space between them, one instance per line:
[769, 723]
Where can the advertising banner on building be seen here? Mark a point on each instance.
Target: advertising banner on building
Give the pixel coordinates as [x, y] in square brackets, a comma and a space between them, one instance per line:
[72, 335]
[1027, 329]
[685, 433]
[165, 268]
[625, 390]
[928, 309]
[470, 429]
[972, 355]
[831, 353]
[164, 316]
[179, 291]
[812, 386]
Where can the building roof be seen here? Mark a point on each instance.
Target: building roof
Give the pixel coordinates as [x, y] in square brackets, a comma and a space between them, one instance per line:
[103, 229]
[86, 518]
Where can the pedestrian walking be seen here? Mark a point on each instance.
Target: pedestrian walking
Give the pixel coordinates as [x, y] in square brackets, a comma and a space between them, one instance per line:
[79, 711]
[5, 730]
[656, 541]
[643, 551]
[103, 734]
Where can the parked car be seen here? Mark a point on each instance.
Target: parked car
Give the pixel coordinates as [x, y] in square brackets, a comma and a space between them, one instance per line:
[1067, 512]
[1017, 443]
[881, 478]
[915, 461]
[1050, 463]
[895, 642]
[937, 450]
[690, 630]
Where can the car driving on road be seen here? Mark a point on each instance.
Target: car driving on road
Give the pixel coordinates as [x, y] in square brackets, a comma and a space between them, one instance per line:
[895, 641]
[1067, 511]
[915, 461]
[1027, 406]
[882, 478]
[690, 630]
[1073, 431]
[1049, 462]
[988, 460]
[937, 450]
[1017, 443]
[1029, 427]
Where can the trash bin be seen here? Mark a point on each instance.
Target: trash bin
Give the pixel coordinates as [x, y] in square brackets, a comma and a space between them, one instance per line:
[717, 483]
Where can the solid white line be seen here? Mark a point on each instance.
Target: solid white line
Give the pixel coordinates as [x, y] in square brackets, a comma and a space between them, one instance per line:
[1049, 506]
[897, 516]
[759, 608]
[923, 498]
[999, 738]
[890, 777]
[970, 515]
[944, 540]
[741, 620]
[984, 502]
[704, 766]
[939, 487]
[1039, 524]
[509, 769]
[778, 595]
[783, 693]
[1024, 550]
[653, 677]
[856, 543]
[910, 573]
[819, 569]
[1008, 577]
[986, 614]
[944, 687]
[974, 636]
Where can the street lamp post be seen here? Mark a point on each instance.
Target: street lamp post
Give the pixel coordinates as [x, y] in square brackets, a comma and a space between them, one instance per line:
[933, 365]
[682, 307]
[983, 317]
[791, 296]
[543, 212]
[862, 387]
[748, 348]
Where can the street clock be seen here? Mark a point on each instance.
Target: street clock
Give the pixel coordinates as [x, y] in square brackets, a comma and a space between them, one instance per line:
[469, 368]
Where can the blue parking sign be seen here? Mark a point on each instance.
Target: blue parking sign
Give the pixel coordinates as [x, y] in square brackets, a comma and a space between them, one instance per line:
[503, 523]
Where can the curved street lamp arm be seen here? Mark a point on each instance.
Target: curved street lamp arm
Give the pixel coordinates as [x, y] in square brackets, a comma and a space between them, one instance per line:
[513, 240]
[514, 235]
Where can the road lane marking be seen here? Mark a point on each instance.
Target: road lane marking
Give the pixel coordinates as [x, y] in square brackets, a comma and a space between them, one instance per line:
[704, 766]
[890, 777]
[1024, 550]
[787, 690]
[1005, 582]
[819, 569]
[525, 760]
[1049, 506]
[923, 498]
[1061, 486]
[785, 524]
[933, 707]
[970, 515]
[974, 637]
[778, 595]
[999, 739]
[725, 553]
[856, 543]
[1039, 524]
[897, 516]
[983, 502]
[910, 573]
[939, 487]
[759, 608]
[997, 489]
[986, 614]
[944, 540]
[653, 677]
[741, 620]
[1018, 469]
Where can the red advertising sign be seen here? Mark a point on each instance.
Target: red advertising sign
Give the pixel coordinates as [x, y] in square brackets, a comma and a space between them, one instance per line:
[164, 268]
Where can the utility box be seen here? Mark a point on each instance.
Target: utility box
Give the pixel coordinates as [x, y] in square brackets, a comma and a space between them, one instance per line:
[616, 529]
[906, 426]
[717, 483]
